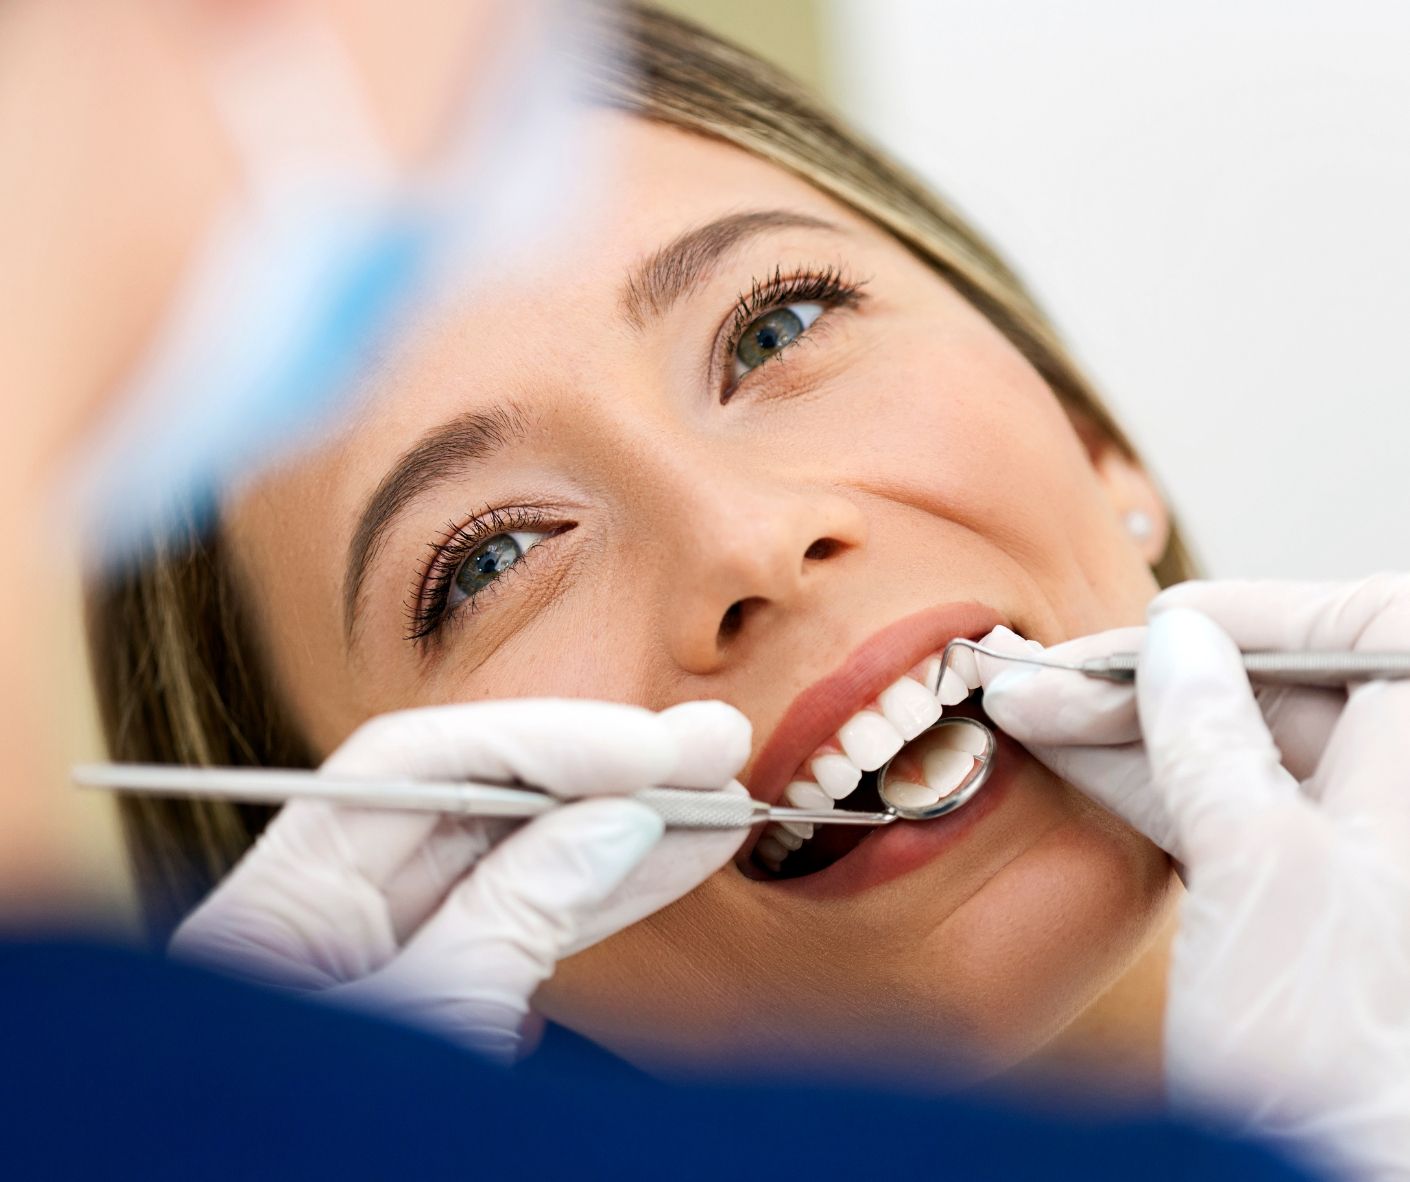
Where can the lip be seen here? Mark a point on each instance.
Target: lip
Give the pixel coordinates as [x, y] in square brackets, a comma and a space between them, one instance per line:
[814, 715]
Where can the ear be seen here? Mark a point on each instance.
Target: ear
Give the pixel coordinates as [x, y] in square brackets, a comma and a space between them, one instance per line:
[1135, 500]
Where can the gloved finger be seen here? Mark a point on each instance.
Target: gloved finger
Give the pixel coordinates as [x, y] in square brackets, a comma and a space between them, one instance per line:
[1362, 774]
[588, 747]
[368, 860]
[1300, 719]
[330, 923]
[1212, 759]
[1110, 766]
[1057, 706]
[419, 885]
[679, 863]
[572, 747]
[1369, 614]
[1117, 777]
[712, 743]
[1049, 707]
[353, 857]
[471, 970]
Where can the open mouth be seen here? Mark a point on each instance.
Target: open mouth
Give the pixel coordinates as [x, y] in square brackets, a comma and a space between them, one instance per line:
[844, 771]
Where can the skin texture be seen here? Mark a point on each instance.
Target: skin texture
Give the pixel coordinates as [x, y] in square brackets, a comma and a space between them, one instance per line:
[907, 435]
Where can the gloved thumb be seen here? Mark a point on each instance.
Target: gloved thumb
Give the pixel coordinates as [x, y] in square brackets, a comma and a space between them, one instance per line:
[1055, 707]
[1211, 757]
[1083, 730]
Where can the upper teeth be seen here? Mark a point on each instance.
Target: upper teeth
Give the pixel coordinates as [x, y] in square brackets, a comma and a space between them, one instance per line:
[954, 687]
[869, 739]
[909, 707]
[836, 775]
[903, 710]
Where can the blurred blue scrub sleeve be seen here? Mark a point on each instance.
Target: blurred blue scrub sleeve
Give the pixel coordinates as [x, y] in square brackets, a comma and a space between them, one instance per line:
[118, 1064]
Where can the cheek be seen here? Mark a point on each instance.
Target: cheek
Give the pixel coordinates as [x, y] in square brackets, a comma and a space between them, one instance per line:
[592, 643]
[966, 416]
[958, 425]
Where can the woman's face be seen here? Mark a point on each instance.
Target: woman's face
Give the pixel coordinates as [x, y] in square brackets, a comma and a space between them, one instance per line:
[582, 484]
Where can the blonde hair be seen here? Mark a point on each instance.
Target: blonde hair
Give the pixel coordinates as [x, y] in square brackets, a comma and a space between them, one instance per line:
[179, 674]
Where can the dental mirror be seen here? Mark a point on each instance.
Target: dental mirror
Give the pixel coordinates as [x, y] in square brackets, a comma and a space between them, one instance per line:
[915, 783]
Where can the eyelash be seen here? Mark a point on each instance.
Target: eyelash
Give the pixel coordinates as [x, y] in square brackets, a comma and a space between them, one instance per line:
[829, 287]
[427, 610]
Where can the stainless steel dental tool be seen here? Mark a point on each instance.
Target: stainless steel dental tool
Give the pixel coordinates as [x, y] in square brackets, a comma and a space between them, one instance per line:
[1269, 667]
[680, 808]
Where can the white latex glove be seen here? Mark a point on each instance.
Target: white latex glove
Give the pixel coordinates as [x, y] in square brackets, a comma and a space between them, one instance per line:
[1087, 730]
[447, 922]
[1289, 1002]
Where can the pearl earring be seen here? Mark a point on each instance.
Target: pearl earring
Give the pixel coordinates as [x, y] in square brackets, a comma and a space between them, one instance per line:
[1139, 525]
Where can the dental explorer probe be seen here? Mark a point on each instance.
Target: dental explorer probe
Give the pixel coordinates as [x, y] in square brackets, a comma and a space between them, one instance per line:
[1314, 668]
[680, 808]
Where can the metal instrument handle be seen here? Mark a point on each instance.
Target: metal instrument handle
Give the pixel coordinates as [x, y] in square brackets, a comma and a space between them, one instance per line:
[1329, 669]
[278, 786]
[680, 808]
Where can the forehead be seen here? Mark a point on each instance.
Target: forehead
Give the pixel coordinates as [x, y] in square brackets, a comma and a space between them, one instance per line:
[651, 182]
[518, 330]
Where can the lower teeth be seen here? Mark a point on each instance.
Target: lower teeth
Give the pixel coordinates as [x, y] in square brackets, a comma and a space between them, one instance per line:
[829, 843]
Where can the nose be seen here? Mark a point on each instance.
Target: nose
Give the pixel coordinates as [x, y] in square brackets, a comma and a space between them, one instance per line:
[746, 552]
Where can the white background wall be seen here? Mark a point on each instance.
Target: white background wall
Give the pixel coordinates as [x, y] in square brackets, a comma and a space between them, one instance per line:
[1212, 199]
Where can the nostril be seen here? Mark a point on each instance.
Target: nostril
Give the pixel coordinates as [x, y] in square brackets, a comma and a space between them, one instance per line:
[736, 616]
[732, 621]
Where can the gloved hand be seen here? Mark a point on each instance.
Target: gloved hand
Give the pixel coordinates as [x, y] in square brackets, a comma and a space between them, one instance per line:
[1291, 970]
[452, 923]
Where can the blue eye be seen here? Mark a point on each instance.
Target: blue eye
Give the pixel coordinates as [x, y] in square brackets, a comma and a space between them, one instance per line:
[490, 559]
[768, 335]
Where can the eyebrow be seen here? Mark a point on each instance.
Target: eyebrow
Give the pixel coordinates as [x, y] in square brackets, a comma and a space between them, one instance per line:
[442, 454]
[446, 452]
[655, 284]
